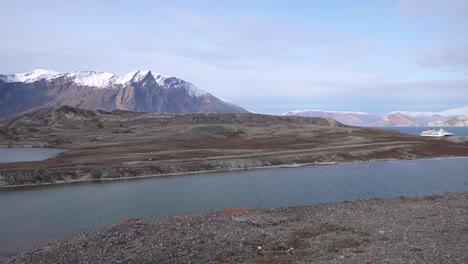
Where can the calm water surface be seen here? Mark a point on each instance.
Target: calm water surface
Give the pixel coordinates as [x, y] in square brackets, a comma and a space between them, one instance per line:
[31, 215]
[27, 154]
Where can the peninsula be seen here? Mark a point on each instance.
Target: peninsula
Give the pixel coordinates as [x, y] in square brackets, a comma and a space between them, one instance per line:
[105, 145]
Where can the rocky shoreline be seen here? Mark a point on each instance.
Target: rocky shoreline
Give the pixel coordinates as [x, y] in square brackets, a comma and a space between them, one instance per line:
[20, 177]
[432, 229]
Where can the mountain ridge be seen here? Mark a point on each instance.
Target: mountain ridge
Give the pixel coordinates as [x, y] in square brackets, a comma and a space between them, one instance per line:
[456, 121]
[141, 91]
[395, 118]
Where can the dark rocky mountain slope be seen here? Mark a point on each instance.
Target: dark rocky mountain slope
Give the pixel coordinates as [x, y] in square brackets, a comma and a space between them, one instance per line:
[139, 91]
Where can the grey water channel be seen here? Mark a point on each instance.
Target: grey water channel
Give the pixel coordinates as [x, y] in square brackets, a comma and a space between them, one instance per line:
[33, 215]
[27, 154]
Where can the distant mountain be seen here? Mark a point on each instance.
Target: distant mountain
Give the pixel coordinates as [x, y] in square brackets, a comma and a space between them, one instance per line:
[461, 111]
[396, 119]
[457, 121]
[349, 118]
[141, 91]
[432, 118]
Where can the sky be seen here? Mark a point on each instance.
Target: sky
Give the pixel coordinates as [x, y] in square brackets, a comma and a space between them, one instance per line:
[268, 56]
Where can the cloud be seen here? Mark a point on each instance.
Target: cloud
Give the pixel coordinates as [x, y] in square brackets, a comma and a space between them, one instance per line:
[378, 95]
[453, 11]
[447, 23]
[254, 56]
[261, 43]
[448, 57]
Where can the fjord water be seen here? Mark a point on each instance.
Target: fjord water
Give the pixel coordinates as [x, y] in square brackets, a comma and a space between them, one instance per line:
[457, 131]
[27, 154]
[31, 215]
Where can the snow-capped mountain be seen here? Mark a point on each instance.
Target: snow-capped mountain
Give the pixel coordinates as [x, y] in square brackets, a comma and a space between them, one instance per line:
[434, 117]
[141, 91]
[396, 118]
[456, 121]
[462, 111]
[101, 80]
[28, 77]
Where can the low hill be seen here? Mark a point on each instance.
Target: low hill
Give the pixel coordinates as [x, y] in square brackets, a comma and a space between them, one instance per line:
[396, 119]
[348, 118]
[121, 144]
[66, 125]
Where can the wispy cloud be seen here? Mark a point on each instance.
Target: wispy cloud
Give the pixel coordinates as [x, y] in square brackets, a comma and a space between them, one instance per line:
[448, 23]
[266, 56]
[452, 57]
[252, 42]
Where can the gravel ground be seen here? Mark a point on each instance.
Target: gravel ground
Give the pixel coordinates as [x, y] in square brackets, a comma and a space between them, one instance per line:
[431, 229]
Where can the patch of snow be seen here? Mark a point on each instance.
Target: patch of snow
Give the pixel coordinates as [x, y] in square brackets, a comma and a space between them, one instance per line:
[101, 80]
[140, 75]
[134, 76]
[414, 114]
[329, 112]
[28, 77]
[160, 79]
[226, 101]
[231, 103]
[92, 78]
[105, 79]
[447, 113]
[455, 112]
[169, 82]
[194, 91]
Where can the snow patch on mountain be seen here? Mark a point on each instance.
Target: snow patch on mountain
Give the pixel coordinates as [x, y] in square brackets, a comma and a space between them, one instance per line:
[92, 78]
[29, 77]
[133, 77]
[320, 111]
[106, 80]
[462, 111]
[195, 91]
[160, 79]
[169, 82]
[414, 114]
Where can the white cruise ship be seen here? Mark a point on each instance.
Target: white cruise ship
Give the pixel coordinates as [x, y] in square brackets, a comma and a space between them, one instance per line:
[436, 133]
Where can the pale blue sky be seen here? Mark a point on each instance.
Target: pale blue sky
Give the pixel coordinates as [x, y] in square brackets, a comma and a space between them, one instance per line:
[268, 56]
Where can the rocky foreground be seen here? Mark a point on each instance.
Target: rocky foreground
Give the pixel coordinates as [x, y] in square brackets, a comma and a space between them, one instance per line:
[431, 229]
[114, 145]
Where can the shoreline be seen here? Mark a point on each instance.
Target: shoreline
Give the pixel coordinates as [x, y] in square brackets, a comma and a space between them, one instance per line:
[79, 181]
[419, 229]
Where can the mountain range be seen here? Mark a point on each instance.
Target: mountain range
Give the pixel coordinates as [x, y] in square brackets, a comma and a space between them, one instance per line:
[139, 91]
[145, 91]
[451, 117]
